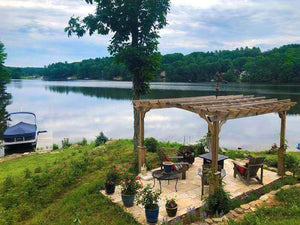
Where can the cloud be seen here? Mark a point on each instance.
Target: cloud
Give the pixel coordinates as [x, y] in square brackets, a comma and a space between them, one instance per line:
[33, 30]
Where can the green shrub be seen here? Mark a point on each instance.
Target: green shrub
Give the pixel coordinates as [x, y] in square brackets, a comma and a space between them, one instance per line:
[8, 184]
[100, 139]
[235, 203]
[266, 189]
[27, 173]
[219, 202]
[200, 146]
[291, 163]
[233, 154]
[271, 160]
[277, 185]
[252, 197]
[83, 142]
[55, 147]
[38, 170]
[151, 144]
[99, 162]
[289, 180]
[289, 196]
[66, 143]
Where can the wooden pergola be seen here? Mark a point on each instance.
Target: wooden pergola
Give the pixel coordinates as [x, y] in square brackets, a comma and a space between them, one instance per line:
[216, 111]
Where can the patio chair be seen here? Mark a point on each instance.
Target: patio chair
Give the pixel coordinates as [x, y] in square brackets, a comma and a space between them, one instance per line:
[249, 170]
[203, 174]
[179, 165]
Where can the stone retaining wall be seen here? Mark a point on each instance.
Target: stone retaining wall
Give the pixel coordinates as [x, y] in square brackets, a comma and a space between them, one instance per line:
[267, 200]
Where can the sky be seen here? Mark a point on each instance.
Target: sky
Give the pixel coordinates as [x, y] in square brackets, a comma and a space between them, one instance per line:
[33, 30]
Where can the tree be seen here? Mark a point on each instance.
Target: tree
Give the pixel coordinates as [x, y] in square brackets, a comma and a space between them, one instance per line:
[134, 25]
[4, 96]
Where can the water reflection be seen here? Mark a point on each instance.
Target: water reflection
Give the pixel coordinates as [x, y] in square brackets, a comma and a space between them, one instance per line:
[84, 108]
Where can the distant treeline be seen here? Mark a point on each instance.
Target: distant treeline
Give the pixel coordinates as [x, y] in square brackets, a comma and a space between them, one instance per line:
[244, 64]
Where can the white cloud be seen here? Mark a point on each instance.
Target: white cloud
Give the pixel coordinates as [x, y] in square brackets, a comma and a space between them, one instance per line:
[33, 30]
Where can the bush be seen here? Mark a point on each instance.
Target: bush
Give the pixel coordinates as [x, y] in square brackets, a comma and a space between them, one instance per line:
[27, 173]
[291, 163]
[55, 147]
[219, 203]
[100, 139]
[83, 142]
[233, 154]
[271, 160]
[289, 180]
[66, 143]
[151, 144]
[38, 170]
[199, 148]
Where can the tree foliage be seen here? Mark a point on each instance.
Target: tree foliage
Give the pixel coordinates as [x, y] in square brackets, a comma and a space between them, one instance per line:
[280, 65]
[4, 96]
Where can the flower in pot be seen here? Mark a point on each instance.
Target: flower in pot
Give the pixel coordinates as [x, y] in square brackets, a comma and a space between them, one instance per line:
[112, 178]
[129, 187]
[171, 207]
[168, 166]
[149, 199]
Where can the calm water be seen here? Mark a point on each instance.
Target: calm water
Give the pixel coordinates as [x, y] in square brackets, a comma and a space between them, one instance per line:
[78, 109]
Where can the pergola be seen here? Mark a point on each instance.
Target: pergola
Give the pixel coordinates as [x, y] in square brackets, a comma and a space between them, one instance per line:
[216, 111]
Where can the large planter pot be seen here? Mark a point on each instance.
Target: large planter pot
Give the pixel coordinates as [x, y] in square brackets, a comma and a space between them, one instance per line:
[171, 211]
[152, 215]
[128, 200]
[168, 166]
[110, 188]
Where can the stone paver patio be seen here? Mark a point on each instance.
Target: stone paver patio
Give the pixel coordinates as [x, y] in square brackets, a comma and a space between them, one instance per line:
[189, 191]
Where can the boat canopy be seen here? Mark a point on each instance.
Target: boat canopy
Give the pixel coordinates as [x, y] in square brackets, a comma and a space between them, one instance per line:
[20, 129]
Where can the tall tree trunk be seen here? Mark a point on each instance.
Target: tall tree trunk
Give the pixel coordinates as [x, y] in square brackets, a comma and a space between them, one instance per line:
[136, 123]
[135, 83]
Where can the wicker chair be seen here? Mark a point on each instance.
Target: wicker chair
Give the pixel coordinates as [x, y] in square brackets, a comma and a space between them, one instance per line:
[253, 165]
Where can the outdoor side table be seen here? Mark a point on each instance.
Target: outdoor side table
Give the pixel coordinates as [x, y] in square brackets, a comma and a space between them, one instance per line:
[207, 159]
[162, 175]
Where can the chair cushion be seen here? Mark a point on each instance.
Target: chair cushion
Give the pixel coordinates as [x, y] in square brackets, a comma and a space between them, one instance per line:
[241, 169]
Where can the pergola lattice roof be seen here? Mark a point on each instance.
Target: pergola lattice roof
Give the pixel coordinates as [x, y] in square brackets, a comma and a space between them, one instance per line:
[219, 108]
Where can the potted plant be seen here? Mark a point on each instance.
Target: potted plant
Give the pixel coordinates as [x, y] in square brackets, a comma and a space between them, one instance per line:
[168, 166]
[110, 182]
[149, 199]
[171, 207]
[129, 187]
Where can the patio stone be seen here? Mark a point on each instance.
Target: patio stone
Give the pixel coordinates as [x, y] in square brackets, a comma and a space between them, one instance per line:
[286, 187]
[217, 220]
[235, 214]
[209, 221]
[189, 191]
[264, 197]
[245, 206]
[239, 210]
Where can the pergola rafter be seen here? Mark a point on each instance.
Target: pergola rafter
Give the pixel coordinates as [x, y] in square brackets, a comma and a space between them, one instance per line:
[216, 111]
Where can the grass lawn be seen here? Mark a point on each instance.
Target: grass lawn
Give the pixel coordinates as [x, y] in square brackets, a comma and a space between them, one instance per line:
[287, 213]
[59, 188]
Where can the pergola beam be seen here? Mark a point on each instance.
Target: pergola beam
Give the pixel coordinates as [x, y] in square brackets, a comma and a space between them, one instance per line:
[216, 111]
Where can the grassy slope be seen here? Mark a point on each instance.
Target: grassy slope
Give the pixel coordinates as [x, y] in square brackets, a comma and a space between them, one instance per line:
[288, 213]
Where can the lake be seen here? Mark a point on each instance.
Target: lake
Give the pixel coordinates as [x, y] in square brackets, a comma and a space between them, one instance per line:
[77, 109]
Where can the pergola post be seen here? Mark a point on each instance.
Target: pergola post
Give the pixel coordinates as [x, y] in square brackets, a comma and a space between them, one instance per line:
[141, 147]
[282, 149]
[215, 130]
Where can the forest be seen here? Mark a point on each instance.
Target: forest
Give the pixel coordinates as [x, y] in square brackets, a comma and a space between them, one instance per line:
[279, 65]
